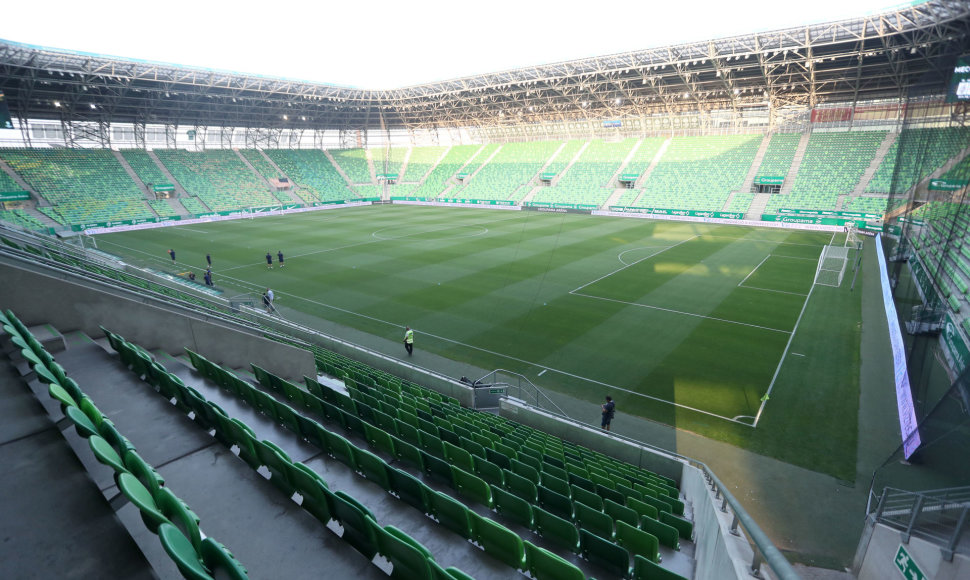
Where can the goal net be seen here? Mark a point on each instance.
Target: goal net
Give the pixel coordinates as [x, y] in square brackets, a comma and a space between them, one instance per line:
[832, 265]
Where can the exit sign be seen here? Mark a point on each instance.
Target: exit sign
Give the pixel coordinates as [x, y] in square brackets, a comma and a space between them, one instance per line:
[907, 566]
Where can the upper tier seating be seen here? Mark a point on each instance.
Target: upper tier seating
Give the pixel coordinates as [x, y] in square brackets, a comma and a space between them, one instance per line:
[218, 177]
[144, 167]
[779, 155]
[507, 175]
[699, 173]
[832, 166]
[264, 167]
[914, 155]
[84, 185]
[22, 219]
[313, 172]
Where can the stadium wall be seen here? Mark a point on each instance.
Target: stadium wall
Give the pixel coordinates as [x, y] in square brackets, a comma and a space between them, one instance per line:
[40, 298]
[879, 556]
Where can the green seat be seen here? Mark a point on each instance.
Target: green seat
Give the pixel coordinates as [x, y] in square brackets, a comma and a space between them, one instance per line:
[556, 503]
[557, 530]
[379, 439]
[372, 467]
[587, 497]
[520, 486]
[488, 471]
[642, 508]
[106, 454]
[181, 551]
[410, 489]
[470, 446]
[456, 574]
[594, 521]
[82, 424]
[59, 394]
[437, 469]
[408, 453]
[609, 493]
[644, 569]
[340, 448]
[503, 460]
[513, 507]
[431, 443]
[498, 541]
[450, 513]
[145, 473]
[525, 470]
[408, 560]
[358, 524]
[180, 515]
[472, 487]
[556, 484]
[317, 498]
[638, 542]
[458, 457]
[582, 482]
[277, 462]
[141, 497]
[544, 565]
[620, 512]
[668, 535]
[604, 553]
[684, 527]
[221, 562]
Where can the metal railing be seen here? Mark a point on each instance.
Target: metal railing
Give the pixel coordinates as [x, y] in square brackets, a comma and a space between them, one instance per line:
[939, 515]
[521, 388]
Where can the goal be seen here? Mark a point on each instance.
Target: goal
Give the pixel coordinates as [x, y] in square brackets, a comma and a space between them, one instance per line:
[832, 265]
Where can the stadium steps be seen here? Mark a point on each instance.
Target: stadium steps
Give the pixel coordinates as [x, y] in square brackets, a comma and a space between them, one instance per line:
[131, 173]
[292, 191]
[293, 198]
[755, 166]
[796, 162]
[727, 202]
[757, 207]
[177, 207]
[20, 182]
[403, 170]
[532, 193]
[646, 174]
[626, 161]
[337, 166]
[840, 201]
[615, 197]
[860, 187]
[433, 166]
[370, 166]
[484, 163]
[179, 190]
[572, 162]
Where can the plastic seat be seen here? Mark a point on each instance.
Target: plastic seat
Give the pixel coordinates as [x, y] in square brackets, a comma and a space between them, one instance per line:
[556, 503]
[620, 512]
[544, 565]
[556, 484]
[557, 530]
[498, 541]
[644, 569]
[317, 499]
[378, 439]
[668, 535]
[513, 507]
[409, 558]
[437, 469]
[410, 489]
[472, 487]
[431, 443]
[221, 562]
[457, 456]
[141, 497]
[593, 520]
[180, 515]
[277, 462]
[183, 553]
[82, 424]
[106, 454]
[488, 471]
[684, 527]
[358, 524]
[638, 542]
[642, 508]
[372, 467]
[145, 473]
[450, 513]
[408, 453]
[525, 470]
[340, 448]
[604, 553]
[587, 497]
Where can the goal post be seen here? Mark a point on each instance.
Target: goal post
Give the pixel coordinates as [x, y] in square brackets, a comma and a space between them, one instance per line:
[832, 265]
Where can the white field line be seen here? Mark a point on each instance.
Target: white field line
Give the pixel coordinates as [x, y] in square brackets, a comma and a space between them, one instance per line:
[774, 377]
[753, 240]
[624, 252]
[190, 229]
[753, 271]
[665, 248]
[771, 290]
[672, 311]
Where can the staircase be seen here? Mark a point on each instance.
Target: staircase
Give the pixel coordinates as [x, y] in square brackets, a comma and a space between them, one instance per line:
[370, 165]
[177, 207]
[134, 176]
[756, 164]
[289, 193]
[653, 164]
[757, 207]
[179, 190]
[337, 166]
[403, 170]
[529, 196]
[626, 161]
[572, 162]
[796, 162]
[31, 209]
[614, 197]
[860, 187]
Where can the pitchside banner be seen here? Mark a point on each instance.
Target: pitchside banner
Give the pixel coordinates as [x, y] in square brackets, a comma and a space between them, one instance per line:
[904, 394]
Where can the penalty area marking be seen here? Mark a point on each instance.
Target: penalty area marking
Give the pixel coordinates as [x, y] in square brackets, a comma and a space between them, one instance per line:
[624, 252]
[482, 231]
[190, 229]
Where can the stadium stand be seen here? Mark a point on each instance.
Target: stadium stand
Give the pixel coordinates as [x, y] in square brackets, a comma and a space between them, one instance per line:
[587, 181]
[22, 219]
[422, 160]
[565, 156]
[639, 164]
[218, 178]
[313, 172]
[83, 185]
[698, 173]
[832, 166]
[353, 162]
[914, 155]
[194, 205]
[8, 183]
[162, 207]
[438, 180]
[778, 158]
[144, 166]
[508, 173]
[395, 159]
[264, 167]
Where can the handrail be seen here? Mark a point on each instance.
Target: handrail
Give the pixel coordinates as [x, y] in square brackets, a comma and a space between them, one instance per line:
[533, 385]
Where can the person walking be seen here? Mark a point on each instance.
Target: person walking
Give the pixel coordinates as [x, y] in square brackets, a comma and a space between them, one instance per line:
[609, 408]
[269, 261]
[279, 256]
[208, 277]
[408, 340]
[208, 260]
[270, 297]
[171, 253]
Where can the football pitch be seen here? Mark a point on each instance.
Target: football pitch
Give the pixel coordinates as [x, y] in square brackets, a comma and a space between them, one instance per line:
[689, 324]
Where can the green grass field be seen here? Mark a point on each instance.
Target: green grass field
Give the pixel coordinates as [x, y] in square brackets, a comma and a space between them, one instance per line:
[683, 323]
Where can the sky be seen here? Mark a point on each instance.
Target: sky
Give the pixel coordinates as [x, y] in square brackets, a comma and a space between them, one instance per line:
[384, 44]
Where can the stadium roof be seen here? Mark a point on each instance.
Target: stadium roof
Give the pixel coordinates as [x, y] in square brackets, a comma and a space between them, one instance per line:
[871, 57]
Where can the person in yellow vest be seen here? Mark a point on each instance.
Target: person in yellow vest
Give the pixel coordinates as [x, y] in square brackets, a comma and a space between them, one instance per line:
[409, 340]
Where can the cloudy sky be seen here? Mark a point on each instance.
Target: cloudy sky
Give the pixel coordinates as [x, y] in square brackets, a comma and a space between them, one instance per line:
[387, 44]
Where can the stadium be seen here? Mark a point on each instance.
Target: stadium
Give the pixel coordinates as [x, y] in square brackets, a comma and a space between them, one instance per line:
[755, 245]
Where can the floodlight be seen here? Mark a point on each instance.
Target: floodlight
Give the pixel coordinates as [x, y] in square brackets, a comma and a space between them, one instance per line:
[93, 106]
[619, 100]
[303, 118]
[285, 118]
[57, 103]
